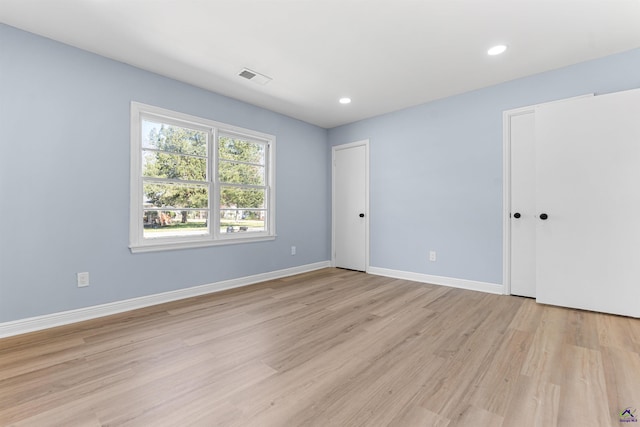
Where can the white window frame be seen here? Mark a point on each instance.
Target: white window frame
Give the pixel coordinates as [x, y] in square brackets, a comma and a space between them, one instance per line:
[137, 242]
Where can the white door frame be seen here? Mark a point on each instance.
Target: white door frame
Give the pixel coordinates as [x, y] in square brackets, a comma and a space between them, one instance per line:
[364, 143]
[506, 188]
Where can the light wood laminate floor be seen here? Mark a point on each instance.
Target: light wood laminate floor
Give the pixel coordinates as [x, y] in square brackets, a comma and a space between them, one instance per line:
[328, 348]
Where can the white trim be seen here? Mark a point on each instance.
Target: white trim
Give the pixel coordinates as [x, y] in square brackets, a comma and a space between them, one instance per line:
[137, 242]
[168, 246]
[199, 122]
[472, 285]
[365, 143]
[506, 185]
[46, 321]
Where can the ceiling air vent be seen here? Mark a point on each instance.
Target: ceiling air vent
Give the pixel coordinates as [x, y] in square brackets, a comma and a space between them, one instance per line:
[254, 76]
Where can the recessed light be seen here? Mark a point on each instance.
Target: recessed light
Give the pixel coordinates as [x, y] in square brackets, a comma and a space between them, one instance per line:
[497, 50]
[345, 100]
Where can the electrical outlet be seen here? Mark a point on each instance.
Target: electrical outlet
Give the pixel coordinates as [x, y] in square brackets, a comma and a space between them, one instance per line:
[83, 279]
[432, 256]
[293, 250]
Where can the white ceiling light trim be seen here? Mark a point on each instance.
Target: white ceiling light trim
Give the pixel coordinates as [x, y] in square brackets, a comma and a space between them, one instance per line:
[345, 100]
[497, 50]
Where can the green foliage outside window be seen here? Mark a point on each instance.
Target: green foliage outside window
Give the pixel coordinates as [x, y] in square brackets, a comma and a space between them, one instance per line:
[241, 162]
[178, 153]
[175, 160]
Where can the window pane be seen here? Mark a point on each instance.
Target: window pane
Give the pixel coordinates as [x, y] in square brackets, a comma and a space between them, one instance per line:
[241, 173]
[179, 170]
[241, 198]
[174, 139]
[173, 166]
[242, 220]
[241, 150]
[169, 195]
[162, 223]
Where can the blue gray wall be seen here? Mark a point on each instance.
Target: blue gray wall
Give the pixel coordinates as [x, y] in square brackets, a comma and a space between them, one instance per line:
[436, 178]
[436, 169]
[64, 182]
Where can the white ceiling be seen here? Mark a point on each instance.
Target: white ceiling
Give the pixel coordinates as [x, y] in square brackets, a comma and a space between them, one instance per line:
[384, 54]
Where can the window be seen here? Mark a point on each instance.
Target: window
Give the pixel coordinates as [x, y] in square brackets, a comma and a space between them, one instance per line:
[195, 182]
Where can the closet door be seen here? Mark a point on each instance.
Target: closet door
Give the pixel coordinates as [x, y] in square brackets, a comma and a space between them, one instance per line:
[522, 212]
[588, 203]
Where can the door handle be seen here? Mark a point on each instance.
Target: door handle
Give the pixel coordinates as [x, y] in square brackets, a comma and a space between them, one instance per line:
[516, 215]
[361, 215]
[544, 216]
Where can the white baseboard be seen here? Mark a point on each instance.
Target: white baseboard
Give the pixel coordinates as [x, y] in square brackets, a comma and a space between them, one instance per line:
[46, 321]
[492, 288]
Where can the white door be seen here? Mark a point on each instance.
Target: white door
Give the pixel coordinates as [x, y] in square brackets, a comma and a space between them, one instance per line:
[588, 189]
[523, 204]
[520, 202]
[350, 203]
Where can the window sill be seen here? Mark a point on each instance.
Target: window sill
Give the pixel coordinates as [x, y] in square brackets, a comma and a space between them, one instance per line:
[170, 246]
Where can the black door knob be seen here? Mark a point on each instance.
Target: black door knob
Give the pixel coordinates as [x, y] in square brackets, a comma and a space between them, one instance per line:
[544, 216]
[516, 215]
[361, 215]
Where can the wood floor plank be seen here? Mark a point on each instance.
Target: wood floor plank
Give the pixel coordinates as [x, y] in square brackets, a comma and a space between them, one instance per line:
[499, 382]
[279, 398]
[470, 416]
[582, 330]
[380, 388]
[405, 295]
[534, 403]
[328, 348]
[545, 354]
[583, 395]
[622, 377]
[415, 415]
[618, 332]
[183, 397]
[453, 385]
[528, 317]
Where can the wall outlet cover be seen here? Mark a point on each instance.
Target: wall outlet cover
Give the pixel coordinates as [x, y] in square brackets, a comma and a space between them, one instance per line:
[83, 279]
